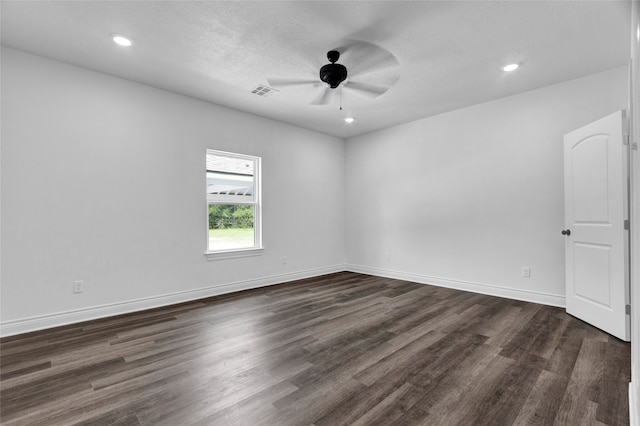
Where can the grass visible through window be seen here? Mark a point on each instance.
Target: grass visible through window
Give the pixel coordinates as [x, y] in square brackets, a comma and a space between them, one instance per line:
[230, 238]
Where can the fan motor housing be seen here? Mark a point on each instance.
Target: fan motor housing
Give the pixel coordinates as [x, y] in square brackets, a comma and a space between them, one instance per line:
[333, 74]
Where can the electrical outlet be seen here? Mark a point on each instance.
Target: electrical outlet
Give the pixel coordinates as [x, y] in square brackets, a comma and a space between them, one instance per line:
[78, 286]
[526, 272]
[284, 260]
[387, 256]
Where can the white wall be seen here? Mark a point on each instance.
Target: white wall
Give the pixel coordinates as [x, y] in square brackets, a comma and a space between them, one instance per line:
[103, 181]
[466, 199]
[634, 388]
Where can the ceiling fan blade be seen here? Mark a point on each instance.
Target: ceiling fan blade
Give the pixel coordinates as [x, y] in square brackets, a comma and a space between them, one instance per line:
[366, 89]
[282, 82]
[324, 97]
[363, 57]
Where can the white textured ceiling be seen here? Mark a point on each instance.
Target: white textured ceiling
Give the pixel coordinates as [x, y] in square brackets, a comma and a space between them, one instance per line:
[450, 53]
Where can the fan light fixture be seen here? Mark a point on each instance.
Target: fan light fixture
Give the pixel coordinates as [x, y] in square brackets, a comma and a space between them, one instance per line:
[349, 120]
[333, 74]
[511, 67]
[121, 40]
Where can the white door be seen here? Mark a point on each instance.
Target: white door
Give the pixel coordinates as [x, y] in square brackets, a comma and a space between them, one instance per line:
[596, 246]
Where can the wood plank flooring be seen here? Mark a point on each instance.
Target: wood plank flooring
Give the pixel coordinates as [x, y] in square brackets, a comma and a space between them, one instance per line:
[342, 349]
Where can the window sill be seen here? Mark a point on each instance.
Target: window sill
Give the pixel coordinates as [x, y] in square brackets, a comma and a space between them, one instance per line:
[232, 254]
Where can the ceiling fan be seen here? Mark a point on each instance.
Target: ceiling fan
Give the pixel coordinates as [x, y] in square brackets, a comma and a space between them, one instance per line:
[372, 71]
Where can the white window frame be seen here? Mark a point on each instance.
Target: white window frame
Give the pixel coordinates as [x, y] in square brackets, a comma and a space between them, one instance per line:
[257, 248]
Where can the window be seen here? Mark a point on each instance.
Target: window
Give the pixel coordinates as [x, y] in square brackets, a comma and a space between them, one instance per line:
[233, 204]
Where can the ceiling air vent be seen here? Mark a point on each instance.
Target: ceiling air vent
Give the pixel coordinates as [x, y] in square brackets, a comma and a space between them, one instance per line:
[264, 91]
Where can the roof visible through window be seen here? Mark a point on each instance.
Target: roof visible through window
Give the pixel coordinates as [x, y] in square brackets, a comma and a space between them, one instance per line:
[219, 163]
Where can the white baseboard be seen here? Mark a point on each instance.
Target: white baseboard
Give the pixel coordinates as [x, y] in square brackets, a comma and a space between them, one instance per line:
[634, 415]
[25, 325]
[474, 287]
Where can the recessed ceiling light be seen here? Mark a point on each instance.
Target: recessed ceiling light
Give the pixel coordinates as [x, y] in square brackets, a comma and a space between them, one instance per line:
[511, 67]
[121, 40]
[349, 120]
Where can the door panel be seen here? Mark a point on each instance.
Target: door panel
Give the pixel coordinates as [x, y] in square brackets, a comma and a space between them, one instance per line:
[595, 185]
[594, 268]
[590, 171]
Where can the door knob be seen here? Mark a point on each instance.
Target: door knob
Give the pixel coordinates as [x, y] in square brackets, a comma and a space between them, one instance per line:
[566, 232]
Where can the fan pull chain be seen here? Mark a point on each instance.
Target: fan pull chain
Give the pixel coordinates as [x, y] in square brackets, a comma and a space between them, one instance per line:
[340, 98]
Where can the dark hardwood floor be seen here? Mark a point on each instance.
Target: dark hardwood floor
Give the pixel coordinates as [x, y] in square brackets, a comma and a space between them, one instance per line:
[343, 349]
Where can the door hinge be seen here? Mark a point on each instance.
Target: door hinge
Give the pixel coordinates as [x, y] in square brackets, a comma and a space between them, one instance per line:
[626, 224]
[625, 139]
[627, 309]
